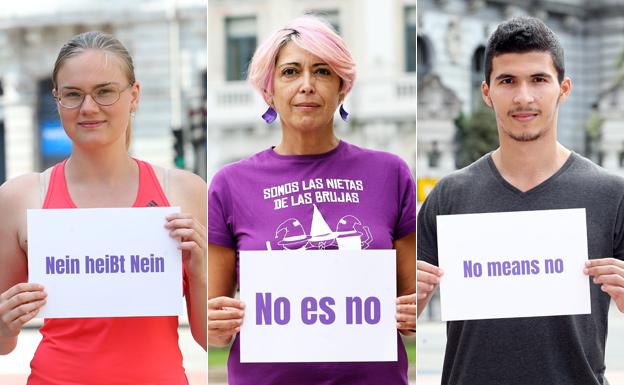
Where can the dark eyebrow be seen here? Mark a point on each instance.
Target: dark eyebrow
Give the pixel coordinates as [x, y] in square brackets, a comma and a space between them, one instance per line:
[96, 86]
[504, 76]
[541, 75]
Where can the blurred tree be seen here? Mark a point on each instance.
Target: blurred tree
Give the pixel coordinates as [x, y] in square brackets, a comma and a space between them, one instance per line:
[593, 131]
[593, 123]
[476, 135]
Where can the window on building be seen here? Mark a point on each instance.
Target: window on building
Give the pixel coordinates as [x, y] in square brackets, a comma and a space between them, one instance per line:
[476, 78]
[54, 145]
[410, 39]
[331, 16]
[433, 156]
[423, 59]
[240, 45]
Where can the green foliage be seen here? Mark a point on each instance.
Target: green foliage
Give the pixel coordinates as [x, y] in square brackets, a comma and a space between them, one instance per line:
[217, 357]
[593, 124]
[476, 135]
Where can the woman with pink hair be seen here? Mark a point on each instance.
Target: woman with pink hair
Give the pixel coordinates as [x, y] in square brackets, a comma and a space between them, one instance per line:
[304, 72]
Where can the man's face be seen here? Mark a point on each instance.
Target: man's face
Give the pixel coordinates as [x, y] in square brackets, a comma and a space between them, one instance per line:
[525, 94]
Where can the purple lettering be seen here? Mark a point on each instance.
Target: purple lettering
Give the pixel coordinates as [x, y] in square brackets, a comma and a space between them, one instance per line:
[329, 317]
[308, 304]
[351, 301]
[62, 266]
[506, 268]
[263, 308]
[372, 310]
[282, 311]
[553, 266]
[472, 269]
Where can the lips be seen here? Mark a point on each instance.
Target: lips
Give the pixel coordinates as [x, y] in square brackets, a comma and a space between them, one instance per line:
[307, 105]
[524, 115]
[91, 123]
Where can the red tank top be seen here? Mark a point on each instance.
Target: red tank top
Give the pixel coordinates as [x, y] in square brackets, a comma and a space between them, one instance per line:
[108, 351]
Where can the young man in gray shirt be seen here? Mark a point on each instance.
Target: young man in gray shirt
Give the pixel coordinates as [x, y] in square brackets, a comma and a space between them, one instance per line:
[524, 84]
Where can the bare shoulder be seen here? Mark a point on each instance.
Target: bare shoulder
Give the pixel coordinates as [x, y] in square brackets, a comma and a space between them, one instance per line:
[16, 196]
[184, 189]
[185, 182]
[21, 192]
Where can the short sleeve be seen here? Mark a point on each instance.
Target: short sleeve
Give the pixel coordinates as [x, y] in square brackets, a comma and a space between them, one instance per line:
[406, 223]
[220, 226]
[427, 235]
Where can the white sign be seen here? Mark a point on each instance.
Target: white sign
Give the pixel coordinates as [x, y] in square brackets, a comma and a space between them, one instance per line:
[515, 264]
[105, 262]
[318, 306]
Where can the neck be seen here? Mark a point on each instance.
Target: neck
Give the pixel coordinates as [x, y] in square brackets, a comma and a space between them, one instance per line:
[297, 142]
[103, 165]
[525, 165]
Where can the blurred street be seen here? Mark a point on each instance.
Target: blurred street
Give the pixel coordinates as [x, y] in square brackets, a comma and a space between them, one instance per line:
[431, 340]
[15, 367]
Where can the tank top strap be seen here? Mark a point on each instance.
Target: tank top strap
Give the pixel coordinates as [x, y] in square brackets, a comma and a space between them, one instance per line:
[57, 196]
[150, 192]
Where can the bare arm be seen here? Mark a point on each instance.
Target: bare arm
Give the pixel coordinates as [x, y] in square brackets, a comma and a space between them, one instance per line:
[406, 283]
[225, 314]
[19, 301]
[190, 193]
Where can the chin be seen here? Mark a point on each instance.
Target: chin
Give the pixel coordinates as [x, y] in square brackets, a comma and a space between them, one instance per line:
[93, 142]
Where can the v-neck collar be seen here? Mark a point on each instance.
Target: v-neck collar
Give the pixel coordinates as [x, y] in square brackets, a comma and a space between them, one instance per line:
[497, 175]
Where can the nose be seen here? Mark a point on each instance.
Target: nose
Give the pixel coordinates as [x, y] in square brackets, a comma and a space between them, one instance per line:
[89, 105]
[307, 83]
[523, 95]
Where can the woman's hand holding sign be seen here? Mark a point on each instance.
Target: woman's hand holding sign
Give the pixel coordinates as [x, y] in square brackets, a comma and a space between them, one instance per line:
[18, 305]
[192, 236]
[225, 317]
[406, 313]
[609, 273]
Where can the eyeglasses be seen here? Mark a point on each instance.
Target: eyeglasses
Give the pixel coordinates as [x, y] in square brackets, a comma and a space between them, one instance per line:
[104, 96]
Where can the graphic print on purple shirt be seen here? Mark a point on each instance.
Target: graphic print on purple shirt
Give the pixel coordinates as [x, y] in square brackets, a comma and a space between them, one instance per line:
[350, 234]
[347, 198]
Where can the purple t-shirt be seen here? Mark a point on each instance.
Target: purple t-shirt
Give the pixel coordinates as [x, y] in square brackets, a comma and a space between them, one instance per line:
[325, 201]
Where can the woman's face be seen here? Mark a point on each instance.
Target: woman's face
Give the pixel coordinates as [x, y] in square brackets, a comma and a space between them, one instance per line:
[305, 90]
[95, 72]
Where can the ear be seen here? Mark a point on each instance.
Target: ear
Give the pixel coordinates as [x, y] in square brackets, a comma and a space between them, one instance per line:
[55, 95]
[135, 93]
[565, 89]
[268, 98]
[341, 97]
[485, 94]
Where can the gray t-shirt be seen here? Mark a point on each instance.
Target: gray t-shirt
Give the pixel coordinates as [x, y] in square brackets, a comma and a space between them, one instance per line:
[558, 350]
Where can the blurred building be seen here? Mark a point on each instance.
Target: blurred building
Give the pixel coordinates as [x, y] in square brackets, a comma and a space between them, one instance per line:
[167, 40]
[451, 43]
[382, 38]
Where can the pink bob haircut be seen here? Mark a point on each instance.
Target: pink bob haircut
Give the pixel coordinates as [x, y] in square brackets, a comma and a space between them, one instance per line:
[313, 35]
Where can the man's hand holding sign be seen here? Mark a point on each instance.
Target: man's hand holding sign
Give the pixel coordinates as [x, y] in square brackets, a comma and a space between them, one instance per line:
[609, 274]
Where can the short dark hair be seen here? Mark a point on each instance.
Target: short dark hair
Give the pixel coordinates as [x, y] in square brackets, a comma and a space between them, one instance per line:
[520, 35]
